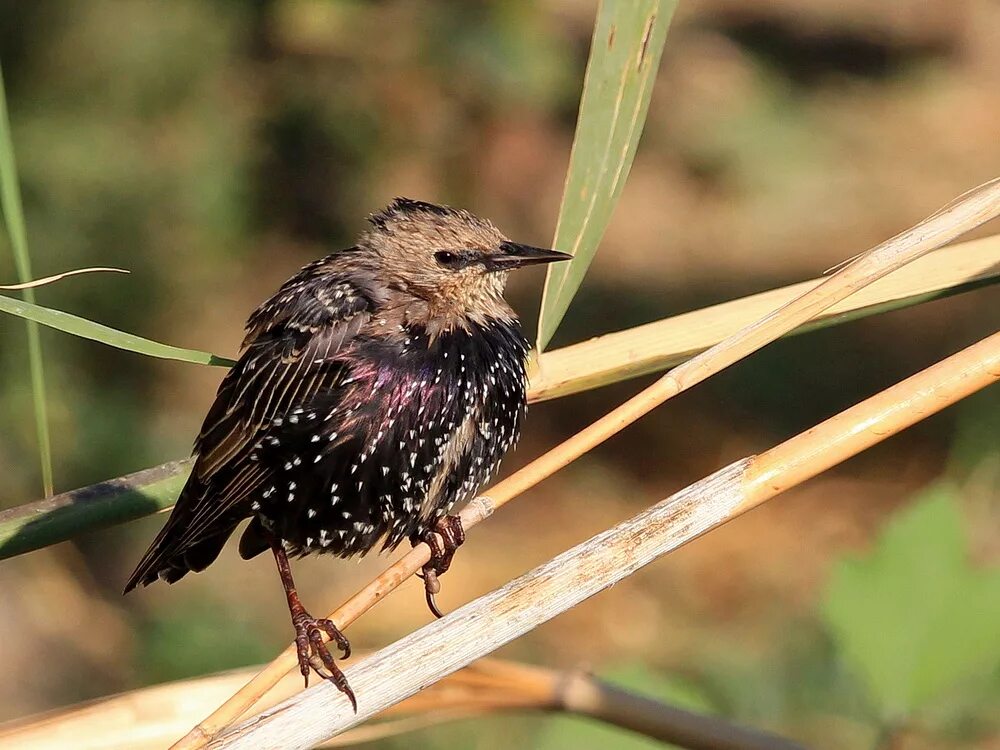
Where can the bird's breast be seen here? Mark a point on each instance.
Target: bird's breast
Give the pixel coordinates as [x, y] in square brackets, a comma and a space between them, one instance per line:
[416, 426]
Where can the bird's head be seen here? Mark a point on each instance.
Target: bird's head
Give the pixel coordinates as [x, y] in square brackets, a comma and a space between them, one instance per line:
[455, 262]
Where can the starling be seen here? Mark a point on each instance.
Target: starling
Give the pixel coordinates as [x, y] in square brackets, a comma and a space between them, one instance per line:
[379, 387]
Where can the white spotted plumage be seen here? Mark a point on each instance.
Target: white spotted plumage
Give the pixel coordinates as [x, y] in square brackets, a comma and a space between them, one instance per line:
[429, 444]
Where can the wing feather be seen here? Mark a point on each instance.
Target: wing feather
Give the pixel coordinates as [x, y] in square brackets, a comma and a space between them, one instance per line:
[291, 352]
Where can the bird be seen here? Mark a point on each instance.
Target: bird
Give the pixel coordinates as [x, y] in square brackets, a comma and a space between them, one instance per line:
[375, 391]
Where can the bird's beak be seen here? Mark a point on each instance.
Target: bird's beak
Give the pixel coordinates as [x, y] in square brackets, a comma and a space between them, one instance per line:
[512, 255]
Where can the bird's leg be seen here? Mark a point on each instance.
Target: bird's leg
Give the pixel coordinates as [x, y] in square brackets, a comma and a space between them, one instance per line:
[309, 630]
[444, 538]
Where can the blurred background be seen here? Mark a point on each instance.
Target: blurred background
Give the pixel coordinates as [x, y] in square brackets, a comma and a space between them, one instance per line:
[215, 147]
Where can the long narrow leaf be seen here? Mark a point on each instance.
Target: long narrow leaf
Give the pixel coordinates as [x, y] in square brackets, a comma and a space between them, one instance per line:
[97, 506]
[655, 346]
[624, 57]
[10, 200]
[88, 329]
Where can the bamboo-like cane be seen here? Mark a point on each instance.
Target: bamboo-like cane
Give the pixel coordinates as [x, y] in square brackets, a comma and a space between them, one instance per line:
[968, 211]
[148, 718]
[478, 628]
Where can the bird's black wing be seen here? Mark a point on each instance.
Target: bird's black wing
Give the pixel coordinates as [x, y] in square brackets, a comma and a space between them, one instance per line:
[289, 355]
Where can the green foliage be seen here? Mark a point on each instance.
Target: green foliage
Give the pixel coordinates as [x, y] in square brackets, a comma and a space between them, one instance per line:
[915, 617]
[624, 57]
[10, 199]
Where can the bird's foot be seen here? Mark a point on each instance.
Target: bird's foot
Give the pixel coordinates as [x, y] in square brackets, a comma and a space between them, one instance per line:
[314, 654]
[446, 537]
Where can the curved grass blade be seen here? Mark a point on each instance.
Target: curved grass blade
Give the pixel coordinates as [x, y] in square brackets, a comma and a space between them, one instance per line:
[10, 201]
[624, 57]
[88, 329]
[59, 277]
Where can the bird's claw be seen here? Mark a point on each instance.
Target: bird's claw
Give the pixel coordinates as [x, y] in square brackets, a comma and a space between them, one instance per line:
[314, 655]
[447, 536]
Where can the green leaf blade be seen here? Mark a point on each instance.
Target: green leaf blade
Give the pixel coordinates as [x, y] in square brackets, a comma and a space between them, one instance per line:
[35, 525]
[624, 58]
[88, 329]
[13, 214]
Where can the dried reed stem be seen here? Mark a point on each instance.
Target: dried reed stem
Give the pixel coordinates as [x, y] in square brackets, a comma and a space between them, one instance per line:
[148, 718]
[588, 697]
[968, 211]
[478, 628]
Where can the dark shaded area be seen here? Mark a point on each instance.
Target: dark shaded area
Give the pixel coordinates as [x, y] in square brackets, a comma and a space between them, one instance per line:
[813, 56]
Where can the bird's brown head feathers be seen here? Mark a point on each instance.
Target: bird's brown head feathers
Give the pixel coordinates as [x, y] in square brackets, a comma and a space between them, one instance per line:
[450, 259]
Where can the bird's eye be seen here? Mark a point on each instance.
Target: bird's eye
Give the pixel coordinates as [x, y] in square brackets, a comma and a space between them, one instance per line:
[449, 260]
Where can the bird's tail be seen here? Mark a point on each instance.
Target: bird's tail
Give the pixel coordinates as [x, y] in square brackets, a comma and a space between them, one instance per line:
[174, 552]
